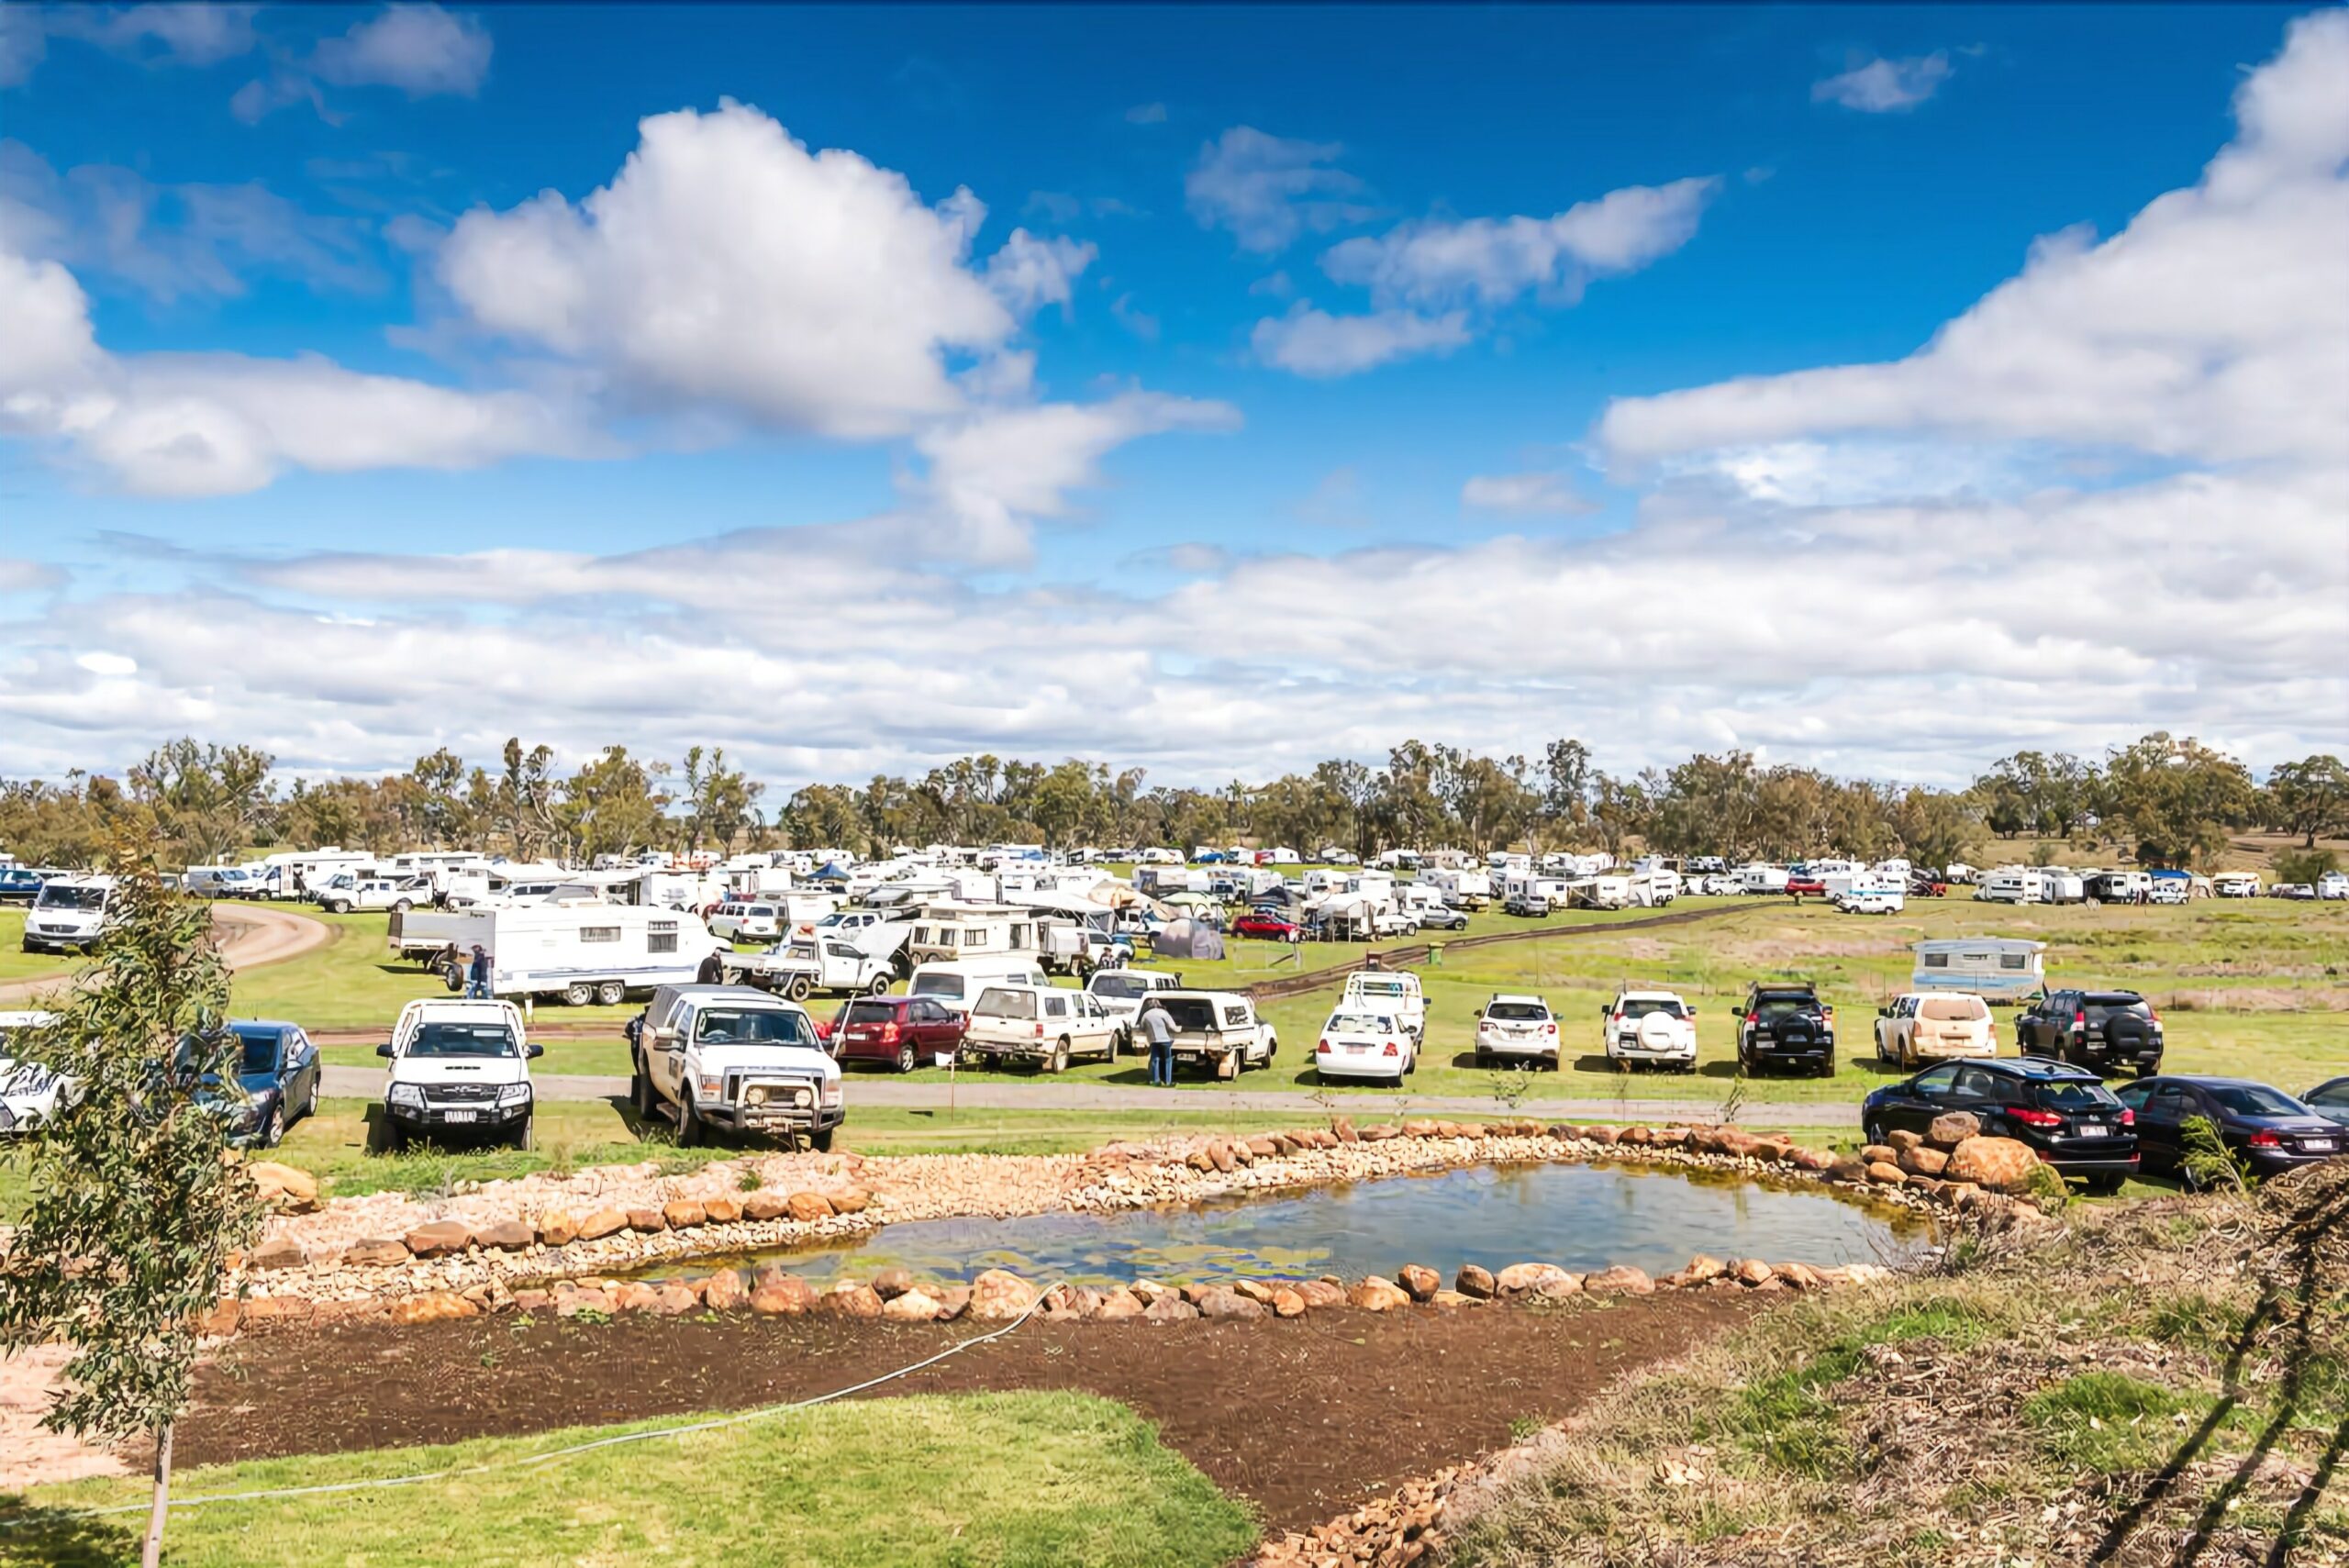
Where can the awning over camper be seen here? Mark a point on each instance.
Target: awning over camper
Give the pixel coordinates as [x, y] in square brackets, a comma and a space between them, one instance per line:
[1187, 939]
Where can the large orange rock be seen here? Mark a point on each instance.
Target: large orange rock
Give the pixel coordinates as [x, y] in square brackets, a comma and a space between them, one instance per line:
[602, 1223]
[1375, 1295]
[2001, 1164]
[1923, 1161]
[682, 1214]
[1952, 1128]
[723, 1292]
[1420, 1281]
[721, 1210]
[808, 1207]
[436, 1307]
[763, 1206]
[1620, 1280]
[440, 1238]
[998, 1296]
[1520, 1279]
[782, 1295]
[283, 1189]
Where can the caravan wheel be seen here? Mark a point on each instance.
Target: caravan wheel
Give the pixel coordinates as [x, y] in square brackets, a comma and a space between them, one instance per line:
[579, 994]
[611, 993]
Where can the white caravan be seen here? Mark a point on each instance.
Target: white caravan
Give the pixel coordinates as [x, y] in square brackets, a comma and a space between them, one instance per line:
[2004, 968]
[2013, 886]
[580, 951]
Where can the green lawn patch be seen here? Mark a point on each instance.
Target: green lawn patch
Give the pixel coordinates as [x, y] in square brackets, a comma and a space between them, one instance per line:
[982, 1481]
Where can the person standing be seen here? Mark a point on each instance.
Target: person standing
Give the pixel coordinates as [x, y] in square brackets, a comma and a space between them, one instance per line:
[477, 975]
[1160, 1028]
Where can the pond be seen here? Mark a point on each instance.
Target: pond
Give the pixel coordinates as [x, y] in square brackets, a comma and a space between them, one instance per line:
[1581, 1216]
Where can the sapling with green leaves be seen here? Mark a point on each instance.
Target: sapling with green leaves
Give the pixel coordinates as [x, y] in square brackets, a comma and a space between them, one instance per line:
[138, 1206]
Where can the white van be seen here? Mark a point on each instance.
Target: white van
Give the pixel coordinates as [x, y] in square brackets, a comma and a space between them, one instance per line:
[2013, 886]
[957, 986]
[70, 912]
[222, 882]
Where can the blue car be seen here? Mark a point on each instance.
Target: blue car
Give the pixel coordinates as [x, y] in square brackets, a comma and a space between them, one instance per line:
[18, 885]
[278, 1069]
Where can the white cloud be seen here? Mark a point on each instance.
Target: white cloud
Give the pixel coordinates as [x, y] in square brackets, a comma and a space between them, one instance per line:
[26, 576]
[23, 44]
[728, 265]
[1491, 262]
[1029, 272]
[171, 242]
[423, 50]
[2214, 328]
[1268, 189]
[1313, 342]
[221, 424]
[1524, 495]
[190, 35]
[1881, 86]
[1146, 114]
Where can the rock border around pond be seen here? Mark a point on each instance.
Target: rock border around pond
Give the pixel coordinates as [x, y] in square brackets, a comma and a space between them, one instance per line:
[475, 1262]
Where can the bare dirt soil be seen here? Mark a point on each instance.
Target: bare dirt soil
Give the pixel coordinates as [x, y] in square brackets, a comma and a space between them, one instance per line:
[1304, 1418]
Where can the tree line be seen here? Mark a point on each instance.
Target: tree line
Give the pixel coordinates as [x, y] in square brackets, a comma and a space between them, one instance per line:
[2160, 800]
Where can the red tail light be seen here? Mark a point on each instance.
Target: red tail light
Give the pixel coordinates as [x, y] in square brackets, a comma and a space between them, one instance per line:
[2263, 1139]
[1040, 1032]
[1321, 1049]
[889, 1033]
[1548, 1028]
[2127, 1116]
[1752, 1018]
[1393, 1050]
[1616, 1019]
[2035, 1119]
[2079, 1020]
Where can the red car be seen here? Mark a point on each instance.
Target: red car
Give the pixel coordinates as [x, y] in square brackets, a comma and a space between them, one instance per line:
[1266, 927]
[1806, 886]
[904, 1032]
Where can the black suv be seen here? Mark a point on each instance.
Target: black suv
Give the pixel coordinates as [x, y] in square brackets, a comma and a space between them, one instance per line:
[2069, 1118]
[1784, 1023]
[2100, 1030]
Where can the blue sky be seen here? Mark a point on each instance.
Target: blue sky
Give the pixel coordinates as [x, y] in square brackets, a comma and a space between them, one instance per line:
[1197, 508]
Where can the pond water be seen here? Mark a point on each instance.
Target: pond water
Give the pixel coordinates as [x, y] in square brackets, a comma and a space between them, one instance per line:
[1582, 1216]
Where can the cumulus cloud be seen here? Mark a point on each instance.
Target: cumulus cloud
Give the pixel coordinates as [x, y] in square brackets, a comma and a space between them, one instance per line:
[1315, 344]
[1146, 114]
[221, 424]
[159, 35]
[728, 264]
[1029, 273]
[1523, 494]
[1491, 262]
[1267, 190]
[2213, 327]
[1880, 86]
[24, 576]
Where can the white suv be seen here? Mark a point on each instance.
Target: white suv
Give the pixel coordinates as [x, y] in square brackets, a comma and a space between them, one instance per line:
[1653, 1026]
[459, 1069]
[1516, 1028]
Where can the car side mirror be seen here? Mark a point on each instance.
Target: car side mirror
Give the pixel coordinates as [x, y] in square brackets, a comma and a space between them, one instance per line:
[1884, 1012]
[384, 1048]
[537, 1050]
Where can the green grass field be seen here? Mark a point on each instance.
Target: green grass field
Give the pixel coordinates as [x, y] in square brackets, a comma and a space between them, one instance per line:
[980, 1481]
[16, 963]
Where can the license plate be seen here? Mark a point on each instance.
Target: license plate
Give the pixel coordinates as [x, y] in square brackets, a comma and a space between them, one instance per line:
[2090, 1130]
[1355, 1048]
[460, 1116]
[2317, 1145]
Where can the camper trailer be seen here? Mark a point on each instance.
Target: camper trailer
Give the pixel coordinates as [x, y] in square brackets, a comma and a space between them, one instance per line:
[1761, 878]
[1464, 888]
[2016, 885]
[579, 951]
[2002, 968]
[954, 933]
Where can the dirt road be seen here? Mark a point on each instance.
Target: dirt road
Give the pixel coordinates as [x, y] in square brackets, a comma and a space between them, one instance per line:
[249, 936]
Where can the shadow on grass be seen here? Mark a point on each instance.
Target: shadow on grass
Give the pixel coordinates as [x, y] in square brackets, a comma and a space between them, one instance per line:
[59, 1537]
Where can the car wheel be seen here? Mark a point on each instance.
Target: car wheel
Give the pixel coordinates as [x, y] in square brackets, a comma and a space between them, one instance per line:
[2104, 1187]
[311, 1100]
[689, 1122]
[905, 1059]
[880, 987]
[639, 1091]
[1109, 1052]
[401, 905]
[800, 988]
[1059, 1056]
[821, 1142]
[528, 1137]
[1827, 1068]
[1873, 1131]
[611, 993]
[340, 906]
[395, 1140]
[274, 1133]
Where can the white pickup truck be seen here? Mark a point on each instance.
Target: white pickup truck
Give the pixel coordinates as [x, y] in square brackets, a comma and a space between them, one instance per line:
[1392, 993]
[735, 1058]
[800, 969]
[460, 1069]
[1045, 1024]
[1218, 1030]
[1122, 993]
[346, 892]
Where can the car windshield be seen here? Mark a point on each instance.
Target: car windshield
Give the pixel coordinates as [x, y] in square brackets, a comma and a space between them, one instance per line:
[2254, 1099]
[1359, 1023]
[1953, 1010]
[1001, 1002]
[871, 1012]
[1779, 1006]
[2333, 1093]
[1121, 987]
[950, 985]
[2073, 1095]
[53, 896]
[261, 1053]
[462, 1040]
[1640, 1007]
[2115, 1002]
[1377, 987]
[1517, 1012]
[752, 1026]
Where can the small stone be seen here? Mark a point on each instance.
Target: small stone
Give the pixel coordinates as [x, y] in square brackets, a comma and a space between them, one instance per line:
[782, 1295]
[762, 1206]
[892, 1283]
[851, 1200]
[1952, 1128]
[1750, 1271]
[673, 1300]
[1256, 1291]
[439, 1239]
[1169, 1308]
[1221, 1302]
[1522, 1279]
[531, 1300]
[1474, 1281]
[1451, 1298]
[507, 1236]
[1376, 1294]
[1558, 1289]
[1923, 1161]
[1702, 1268]
[635, 1297]
[1420, 1281]
[1318, 1294]
[279, 1255]
[1902, 1141]
[723, 1292]
[682, 1214]
[557, 1228]
[602, 1223]
[806, 1207]
[1620, 1280]
[851, 1300]
[910, 1306]
[998, 1296]
[1287, 1304]
[376, 1251]
[1885, 1174]
[1879, 1155]
[1120, 1305]
[647, 1222]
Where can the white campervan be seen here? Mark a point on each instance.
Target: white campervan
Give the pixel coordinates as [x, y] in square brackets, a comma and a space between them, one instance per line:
[2013, 886]
[69, 912]
[2003, 969]
[2235, 885]
[957, 986]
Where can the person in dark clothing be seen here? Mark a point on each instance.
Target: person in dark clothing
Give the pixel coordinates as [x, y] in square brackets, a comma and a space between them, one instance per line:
[477, 975]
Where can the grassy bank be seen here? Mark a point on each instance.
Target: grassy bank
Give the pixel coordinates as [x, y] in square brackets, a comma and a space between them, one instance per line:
[2166, 1372]
[982, 1481]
